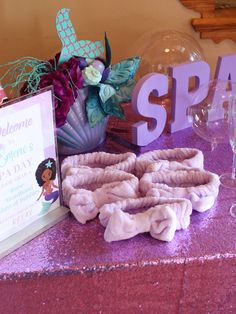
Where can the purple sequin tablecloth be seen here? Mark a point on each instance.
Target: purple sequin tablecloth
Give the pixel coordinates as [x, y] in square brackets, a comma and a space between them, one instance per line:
[71, 269]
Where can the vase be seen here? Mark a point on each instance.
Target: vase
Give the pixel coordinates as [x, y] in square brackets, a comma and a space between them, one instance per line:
[76, 135]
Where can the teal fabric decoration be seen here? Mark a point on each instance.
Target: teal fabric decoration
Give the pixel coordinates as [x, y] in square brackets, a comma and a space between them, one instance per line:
[123, 94]
[106, 97]
[70, 45]
[95, 113]
[113, 109]
[106, 91]
[25, 70]
[123, 71]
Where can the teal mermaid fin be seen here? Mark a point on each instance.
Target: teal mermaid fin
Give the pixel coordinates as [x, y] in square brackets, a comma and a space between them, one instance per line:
[70, 45]
[45, 207]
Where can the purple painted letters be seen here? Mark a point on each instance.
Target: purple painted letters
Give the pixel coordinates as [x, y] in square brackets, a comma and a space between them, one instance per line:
[226, 68]
[182, 98]
[141, 134]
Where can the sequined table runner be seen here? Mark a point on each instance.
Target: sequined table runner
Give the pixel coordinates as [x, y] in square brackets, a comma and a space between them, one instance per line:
[71, 269]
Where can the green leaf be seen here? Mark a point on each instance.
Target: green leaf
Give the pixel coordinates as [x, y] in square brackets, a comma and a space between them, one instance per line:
[113, 109]
[106, 91]
[95, 113]
[124, 93]
[123, 71]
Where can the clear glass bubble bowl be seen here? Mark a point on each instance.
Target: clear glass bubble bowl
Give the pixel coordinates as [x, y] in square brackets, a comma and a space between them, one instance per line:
[213, 118]
[160, 49]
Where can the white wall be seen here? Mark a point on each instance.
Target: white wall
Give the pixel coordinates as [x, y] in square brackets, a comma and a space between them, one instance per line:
[27, 27]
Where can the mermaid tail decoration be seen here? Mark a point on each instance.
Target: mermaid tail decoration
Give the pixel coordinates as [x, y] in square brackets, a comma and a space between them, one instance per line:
[70, 45]
[52, 197]
[49, 199]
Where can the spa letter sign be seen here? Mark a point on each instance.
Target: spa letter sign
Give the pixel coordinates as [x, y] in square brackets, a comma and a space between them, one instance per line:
[29, 187]
[182, 97]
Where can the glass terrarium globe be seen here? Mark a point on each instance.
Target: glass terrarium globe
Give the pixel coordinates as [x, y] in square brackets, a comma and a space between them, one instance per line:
[160, 49]
[210, 114]
[214, 118]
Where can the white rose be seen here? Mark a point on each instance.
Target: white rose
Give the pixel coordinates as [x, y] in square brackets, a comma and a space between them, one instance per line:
[91, 75]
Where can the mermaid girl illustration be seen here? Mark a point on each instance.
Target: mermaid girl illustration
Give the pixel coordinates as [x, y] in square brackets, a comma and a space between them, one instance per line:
[45, 175]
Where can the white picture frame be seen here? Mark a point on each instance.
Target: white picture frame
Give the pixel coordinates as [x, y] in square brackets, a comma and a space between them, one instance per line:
[30, 192]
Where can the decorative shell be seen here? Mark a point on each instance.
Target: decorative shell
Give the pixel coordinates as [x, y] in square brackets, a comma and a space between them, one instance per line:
[76, 135]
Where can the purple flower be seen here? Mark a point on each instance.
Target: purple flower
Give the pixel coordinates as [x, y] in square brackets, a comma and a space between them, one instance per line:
[64, 97]
[72, 71]
[65, 81]
[105, 74]
[82, 63]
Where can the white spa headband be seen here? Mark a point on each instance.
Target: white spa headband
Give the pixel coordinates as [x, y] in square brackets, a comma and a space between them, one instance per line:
[199, 186]
[124, 162]
[86, 193]
[159, 216]
[171, 159]
[172, 184]
[182, 208]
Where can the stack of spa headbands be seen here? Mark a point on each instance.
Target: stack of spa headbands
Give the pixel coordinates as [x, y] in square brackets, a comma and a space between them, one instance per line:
[153, 193]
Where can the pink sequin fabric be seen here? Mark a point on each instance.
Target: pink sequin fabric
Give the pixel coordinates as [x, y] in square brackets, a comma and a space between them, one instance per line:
[172, 183]
[74, 257]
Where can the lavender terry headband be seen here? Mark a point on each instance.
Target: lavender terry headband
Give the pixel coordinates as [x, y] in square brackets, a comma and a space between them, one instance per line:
[200, 187]
[124, 162]
[182, 208]
[171, 159]
[85, 193]
[159, 218]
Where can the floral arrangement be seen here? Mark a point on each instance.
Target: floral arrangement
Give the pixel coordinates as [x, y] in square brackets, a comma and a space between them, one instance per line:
[87, 88]
[108, 85]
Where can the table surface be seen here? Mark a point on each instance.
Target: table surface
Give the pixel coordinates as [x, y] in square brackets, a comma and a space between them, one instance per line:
[71, 247]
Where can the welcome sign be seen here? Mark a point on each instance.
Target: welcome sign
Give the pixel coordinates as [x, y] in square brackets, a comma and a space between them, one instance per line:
[29, 178]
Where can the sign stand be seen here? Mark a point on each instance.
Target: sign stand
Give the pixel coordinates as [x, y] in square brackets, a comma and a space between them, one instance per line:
[30, 189]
